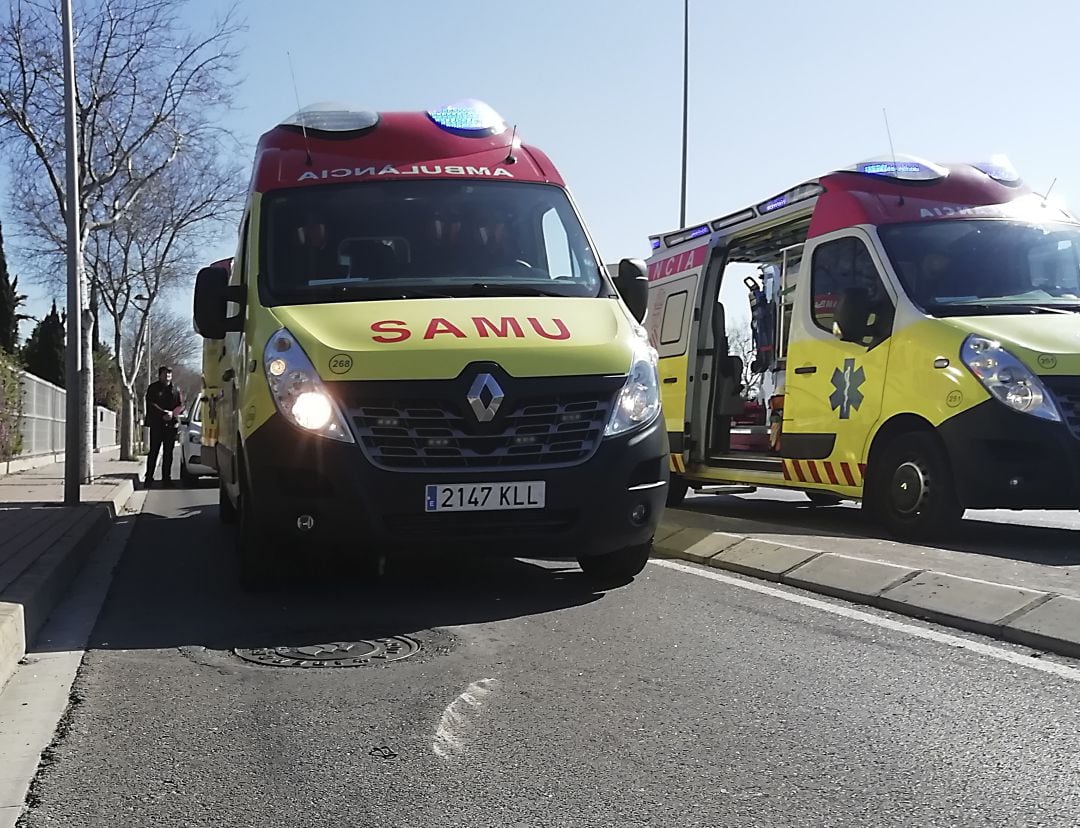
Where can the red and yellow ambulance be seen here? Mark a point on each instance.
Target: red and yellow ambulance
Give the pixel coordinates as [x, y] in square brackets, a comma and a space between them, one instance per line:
[916, 331]
[422, 349]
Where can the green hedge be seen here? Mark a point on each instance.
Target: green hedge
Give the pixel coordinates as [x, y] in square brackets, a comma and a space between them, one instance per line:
[11, 404]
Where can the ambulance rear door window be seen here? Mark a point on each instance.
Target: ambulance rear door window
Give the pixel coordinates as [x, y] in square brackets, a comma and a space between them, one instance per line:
[674, 314]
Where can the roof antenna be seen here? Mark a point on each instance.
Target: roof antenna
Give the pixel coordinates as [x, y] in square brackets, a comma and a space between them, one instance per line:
[895, 166]
[299, 109]
[510, 159]
[1049, 190]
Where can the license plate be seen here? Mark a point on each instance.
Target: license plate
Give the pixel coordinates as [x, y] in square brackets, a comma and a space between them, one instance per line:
[483, 497]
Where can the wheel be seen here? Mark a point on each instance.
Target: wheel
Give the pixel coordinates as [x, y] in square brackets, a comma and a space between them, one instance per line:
[823, 498]
[187, 479]
[618, 567]
[259, 553]
[676, 492]
[226, 509]
[911, 489]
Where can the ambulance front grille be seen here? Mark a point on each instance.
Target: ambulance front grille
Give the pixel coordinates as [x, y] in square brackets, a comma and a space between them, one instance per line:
[1066, 393]
[440, 434]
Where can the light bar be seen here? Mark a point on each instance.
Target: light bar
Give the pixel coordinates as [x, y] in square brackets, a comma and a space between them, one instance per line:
[470, 118]
[332, 117]
[673, 239]
[733, 219]
[792, 196]
[900, 167]
[999, 168]
[655, 243]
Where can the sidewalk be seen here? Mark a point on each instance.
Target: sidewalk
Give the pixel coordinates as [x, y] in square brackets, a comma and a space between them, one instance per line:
[1026, 602]
[43, 544]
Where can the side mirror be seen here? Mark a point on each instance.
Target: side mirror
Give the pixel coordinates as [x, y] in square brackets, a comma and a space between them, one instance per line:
[852, 320]
[633, 286]
[212, 296]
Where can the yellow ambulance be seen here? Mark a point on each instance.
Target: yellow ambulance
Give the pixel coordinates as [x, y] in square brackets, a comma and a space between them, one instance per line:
[423, 350]
[915, 343]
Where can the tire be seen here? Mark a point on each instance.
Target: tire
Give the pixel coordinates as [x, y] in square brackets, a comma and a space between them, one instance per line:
[616, 568]
[676, 493]
[911, 488]
[259, 553]
[823, 498]
[187, 479]
[226, 509]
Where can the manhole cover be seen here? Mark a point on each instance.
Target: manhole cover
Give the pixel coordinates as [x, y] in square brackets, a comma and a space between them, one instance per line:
[334, 654]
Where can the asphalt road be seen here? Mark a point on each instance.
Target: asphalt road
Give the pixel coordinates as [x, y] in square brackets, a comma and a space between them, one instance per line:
[679, 700]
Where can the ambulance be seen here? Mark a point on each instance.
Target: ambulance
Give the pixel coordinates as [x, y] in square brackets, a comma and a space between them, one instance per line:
[916, 343]
[422, 349]
[213, 356]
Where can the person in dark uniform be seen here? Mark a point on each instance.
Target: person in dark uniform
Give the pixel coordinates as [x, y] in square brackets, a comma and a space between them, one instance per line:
[163, 406]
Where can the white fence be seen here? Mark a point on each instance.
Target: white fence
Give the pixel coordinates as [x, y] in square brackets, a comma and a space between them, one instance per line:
[43, 420]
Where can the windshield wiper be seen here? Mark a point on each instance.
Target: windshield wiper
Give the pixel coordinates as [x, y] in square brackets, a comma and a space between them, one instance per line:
[484, 289]
[376, 292]
[990, 308]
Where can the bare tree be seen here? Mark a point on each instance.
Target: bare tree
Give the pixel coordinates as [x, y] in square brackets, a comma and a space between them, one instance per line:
[145, 254]
[147, 91]
[741, 344]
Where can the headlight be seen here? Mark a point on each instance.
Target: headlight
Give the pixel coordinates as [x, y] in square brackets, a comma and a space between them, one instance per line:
[638, 402]
[297, 390]
[1007, 378]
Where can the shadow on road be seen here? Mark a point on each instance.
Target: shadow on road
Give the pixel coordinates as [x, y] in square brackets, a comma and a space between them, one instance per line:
[178, 585]
[1036, 544]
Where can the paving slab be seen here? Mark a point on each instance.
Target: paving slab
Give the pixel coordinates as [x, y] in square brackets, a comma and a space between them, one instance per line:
[967, 603]
[1053, 625]
[848, 577]
[768, 560]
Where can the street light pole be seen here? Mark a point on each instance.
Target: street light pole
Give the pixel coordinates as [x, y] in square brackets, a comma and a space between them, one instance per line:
[685, 105]
[73, 449]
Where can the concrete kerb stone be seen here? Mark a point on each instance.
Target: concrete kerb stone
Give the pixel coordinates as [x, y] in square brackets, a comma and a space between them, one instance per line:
[967, 603]
[1040, 620]
[1053, 625]
[765, 559]
[842, 576]
[30, 600]
[12, 639]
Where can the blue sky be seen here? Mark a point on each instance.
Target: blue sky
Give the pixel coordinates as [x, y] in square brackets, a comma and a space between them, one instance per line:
[779, 91]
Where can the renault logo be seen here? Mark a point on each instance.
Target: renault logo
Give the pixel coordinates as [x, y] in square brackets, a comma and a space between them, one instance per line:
[484, 397]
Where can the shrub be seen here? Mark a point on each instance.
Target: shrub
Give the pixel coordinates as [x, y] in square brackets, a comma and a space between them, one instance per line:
[11, 406]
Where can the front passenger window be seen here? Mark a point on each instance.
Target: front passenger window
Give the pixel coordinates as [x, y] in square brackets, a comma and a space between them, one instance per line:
[842, 269]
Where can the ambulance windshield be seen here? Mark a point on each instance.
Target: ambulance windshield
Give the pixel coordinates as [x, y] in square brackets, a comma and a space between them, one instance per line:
[421, 239]
[958, 267]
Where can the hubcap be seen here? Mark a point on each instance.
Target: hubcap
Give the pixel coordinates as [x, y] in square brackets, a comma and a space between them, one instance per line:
[909, 488]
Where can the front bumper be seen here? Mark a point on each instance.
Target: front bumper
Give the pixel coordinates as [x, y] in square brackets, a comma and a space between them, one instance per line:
[587, 511]
[1002, 459]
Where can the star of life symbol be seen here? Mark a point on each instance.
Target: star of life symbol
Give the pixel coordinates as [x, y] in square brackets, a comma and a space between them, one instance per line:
[484, 398]
[847, 395]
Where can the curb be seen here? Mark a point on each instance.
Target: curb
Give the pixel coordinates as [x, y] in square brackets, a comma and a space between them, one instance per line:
[27, 603]
[1040, 620]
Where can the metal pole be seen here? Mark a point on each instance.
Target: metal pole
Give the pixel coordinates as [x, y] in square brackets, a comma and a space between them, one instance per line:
[73, 362]
[685, 105]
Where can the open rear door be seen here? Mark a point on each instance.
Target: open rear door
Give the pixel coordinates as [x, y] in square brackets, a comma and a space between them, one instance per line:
[674, 276]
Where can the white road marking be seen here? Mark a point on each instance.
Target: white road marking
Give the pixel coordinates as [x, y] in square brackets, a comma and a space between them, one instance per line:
[1019, 659]
[458, 715]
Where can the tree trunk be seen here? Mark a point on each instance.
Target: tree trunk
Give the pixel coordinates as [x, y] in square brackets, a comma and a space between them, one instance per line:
[88, 424]
[127, 423]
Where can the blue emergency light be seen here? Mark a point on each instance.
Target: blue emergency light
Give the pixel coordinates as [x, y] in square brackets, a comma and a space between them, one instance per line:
[901, 167]
[999, 168]
[469, 118]
[327, 116]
